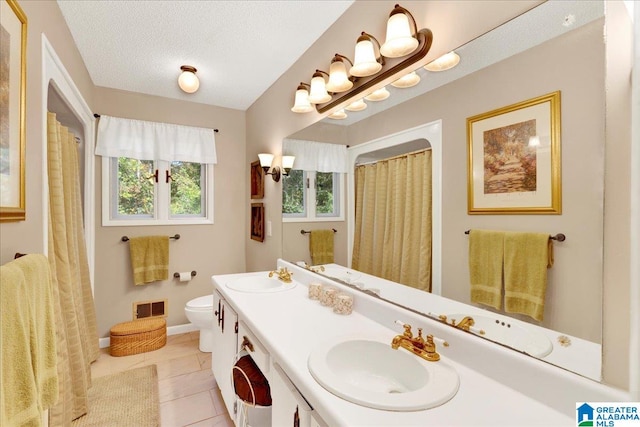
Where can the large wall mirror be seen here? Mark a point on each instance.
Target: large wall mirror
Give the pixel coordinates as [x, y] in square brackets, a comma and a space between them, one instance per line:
[556, 46]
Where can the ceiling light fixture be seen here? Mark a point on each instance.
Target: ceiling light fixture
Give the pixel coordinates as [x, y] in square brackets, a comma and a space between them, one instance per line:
[445, 62]
[405, 46]
[188, 81]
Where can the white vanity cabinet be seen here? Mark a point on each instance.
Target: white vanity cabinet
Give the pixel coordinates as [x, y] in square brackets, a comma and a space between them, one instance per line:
[290, 409]
[225, 342]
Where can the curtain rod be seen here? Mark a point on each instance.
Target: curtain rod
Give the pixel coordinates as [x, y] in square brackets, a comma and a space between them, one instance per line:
[97, 116]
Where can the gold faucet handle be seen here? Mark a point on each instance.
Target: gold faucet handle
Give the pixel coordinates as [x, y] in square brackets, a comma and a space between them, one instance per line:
[407, 329]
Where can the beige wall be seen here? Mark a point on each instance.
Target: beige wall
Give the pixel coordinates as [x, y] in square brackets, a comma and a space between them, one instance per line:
[42, 17]
[207, 249]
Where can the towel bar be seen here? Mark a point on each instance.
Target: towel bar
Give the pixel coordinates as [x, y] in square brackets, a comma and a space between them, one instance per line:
[307, 232]
[559, 237]
[126, 238]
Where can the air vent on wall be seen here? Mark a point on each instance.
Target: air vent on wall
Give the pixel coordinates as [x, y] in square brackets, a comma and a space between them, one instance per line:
[142, 309]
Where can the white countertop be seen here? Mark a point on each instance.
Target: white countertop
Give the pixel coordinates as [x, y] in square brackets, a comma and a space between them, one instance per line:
[290, 325]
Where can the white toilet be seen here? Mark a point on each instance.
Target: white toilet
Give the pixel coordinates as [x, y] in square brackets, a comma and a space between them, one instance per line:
[199, 311]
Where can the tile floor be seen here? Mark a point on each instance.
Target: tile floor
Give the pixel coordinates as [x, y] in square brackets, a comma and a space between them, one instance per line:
[187, 389]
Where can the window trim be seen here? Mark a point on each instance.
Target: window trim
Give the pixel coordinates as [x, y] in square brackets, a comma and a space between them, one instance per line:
[310, 198]
[108, 187]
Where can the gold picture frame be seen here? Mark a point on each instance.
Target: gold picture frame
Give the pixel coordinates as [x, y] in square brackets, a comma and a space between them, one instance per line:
[514, 159]
[13, 75]
[257, 222]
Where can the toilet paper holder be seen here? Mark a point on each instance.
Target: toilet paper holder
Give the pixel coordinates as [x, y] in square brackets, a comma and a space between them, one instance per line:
[177, 275]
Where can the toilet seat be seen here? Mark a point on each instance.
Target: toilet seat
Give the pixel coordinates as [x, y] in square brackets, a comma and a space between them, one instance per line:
[204, 303]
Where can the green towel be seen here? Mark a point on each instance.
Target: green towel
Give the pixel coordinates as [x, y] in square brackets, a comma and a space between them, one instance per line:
[149, 258]
[486, 249]
[526, 259]
[321, 246]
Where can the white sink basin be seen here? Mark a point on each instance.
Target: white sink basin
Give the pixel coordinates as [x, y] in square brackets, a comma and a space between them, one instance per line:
[367, 371]
[507, 332]
[259, 284]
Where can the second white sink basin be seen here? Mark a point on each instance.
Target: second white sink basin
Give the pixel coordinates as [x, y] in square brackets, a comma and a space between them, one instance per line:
[367, 371]
[507, 332]
[259, 284]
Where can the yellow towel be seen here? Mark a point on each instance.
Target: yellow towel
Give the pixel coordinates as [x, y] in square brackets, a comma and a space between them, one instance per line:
[149, 258]
[29, 379]
[526, 259]
[321, 246]
[485, 267]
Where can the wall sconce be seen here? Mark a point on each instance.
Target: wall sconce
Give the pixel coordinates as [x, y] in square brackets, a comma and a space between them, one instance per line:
[339, 81]
[366, 61]
[302, 104]
[445, 62]
[267, 159]
[405, 45]
[400, 39]
[318, 92]
[188, 81]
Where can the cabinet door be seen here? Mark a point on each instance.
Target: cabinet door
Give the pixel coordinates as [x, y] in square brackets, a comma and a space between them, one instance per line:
[289, 407]
[225, 341]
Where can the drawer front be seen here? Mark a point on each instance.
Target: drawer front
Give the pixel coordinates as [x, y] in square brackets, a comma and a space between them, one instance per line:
[248, 342]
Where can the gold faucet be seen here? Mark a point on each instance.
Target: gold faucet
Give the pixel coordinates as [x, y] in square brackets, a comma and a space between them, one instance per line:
[464, 324]
[283, 274]
[416, 345]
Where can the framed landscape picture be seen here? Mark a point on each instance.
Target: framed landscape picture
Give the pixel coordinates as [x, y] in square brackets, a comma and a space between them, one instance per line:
[13, 57]
[514, 159]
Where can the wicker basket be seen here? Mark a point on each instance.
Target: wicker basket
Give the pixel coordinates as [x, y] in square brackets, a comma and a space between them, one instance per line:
[138, 336]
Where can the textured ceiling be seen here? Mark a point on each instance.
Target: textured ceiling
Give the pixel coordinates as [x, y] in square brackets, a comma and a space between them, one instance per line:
[240, 48]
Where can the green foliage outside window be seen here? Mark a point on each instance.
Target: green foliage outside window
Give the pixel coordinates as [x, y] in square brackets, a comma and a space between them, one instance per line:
[293, 193]
[186, 194]
[135, 195]
[324, 193]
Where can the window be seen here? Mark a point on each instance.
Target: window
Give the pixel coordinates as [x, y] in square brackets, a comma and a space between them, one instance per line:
[312, 196]
[147, 192]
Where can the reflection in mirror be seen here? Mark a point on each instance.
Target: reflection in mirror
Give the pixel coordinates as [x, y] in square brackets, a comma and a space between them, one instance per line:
[557, 46]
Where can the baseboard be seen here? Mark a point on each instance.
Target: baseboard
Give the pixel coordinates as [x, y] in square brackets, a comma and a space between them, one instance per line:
[171, 330]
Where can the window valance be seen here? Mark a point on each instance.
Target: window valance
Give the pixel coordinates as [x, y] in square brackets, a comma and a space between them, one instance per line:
[144, 140]
[316, 156]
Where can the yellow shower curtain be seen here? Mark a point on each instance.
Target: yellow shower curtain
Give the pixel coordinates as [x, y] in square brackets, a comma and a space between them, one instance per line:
[76, 331]
[392, 237]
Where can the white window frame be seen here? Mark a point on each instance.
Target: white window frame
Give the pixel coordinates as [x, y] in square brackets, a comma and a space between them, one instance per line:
[162, 206]
[310, 201]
